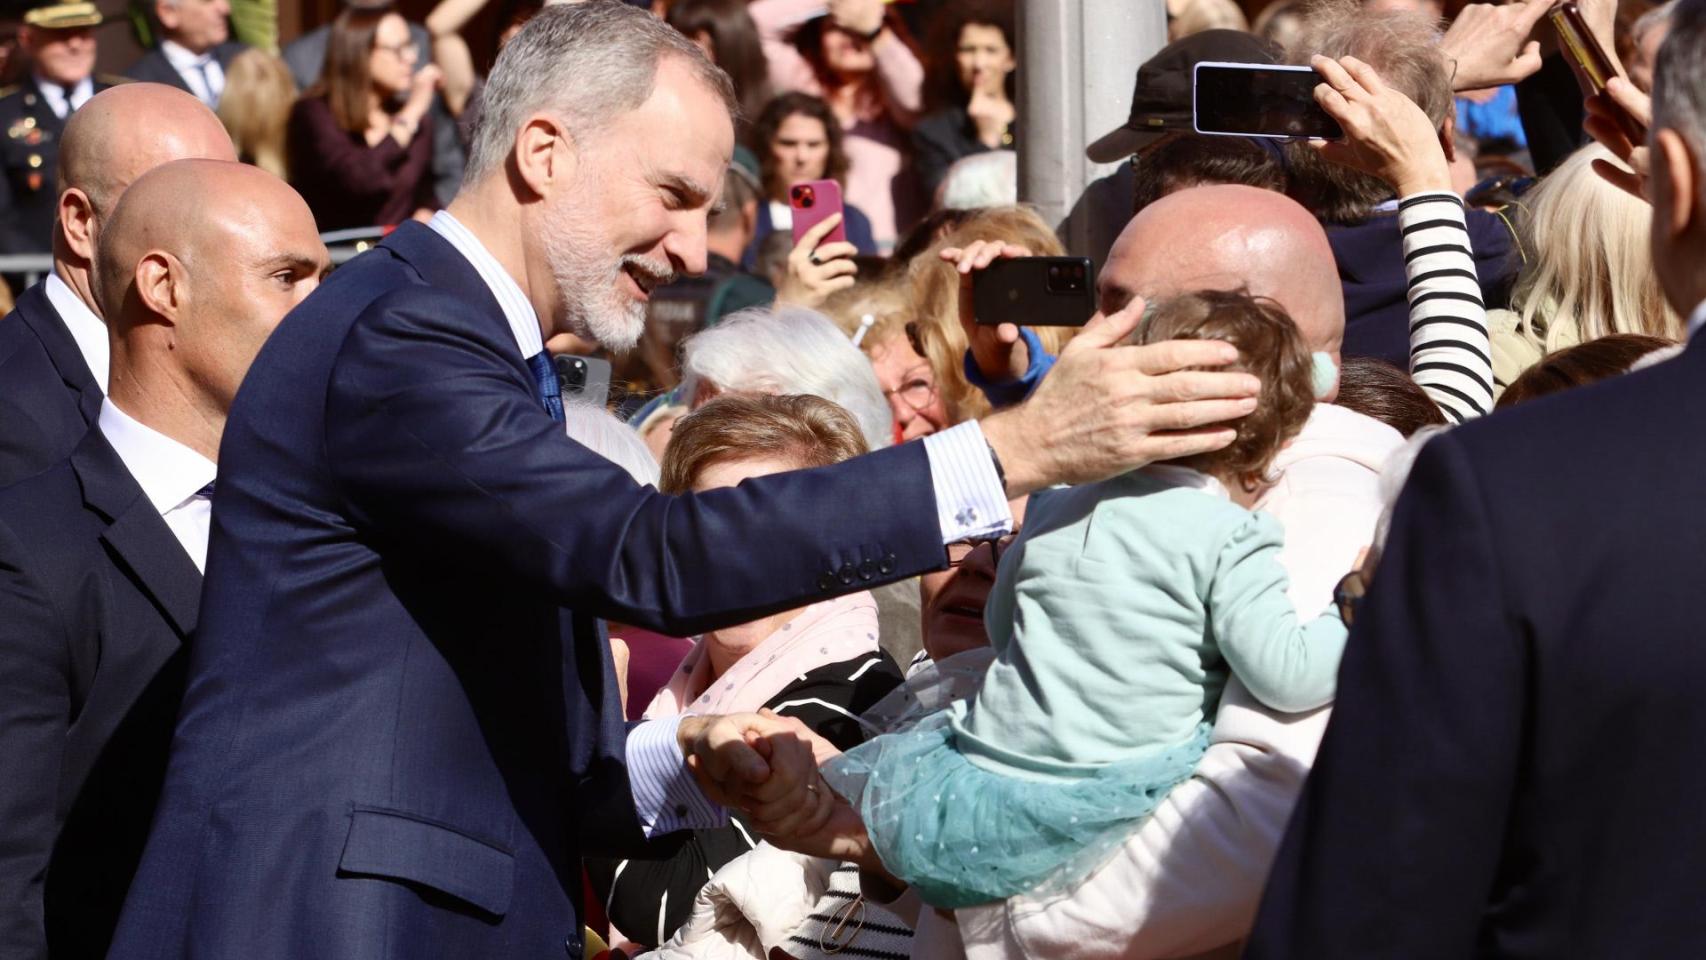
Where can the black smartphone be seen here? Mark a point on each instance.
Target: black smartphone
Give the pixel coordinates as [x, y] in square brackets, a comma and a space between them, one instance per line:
[585, 379]
[1036, 292]
[1260, 100]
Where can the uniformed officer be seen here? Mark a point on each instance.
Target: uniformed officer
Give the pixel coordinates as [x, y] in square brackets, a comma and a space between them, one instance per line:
[58, 40]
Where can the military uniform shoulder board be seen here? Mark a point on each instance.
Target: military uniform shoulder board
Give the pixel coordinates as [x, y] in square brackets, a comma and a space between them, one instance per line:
[112, 79]
[9, 91]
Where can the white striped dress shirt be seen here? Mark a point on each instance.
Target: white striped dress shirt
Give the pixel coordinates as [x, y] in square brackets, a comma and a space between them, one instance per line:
[970, 503]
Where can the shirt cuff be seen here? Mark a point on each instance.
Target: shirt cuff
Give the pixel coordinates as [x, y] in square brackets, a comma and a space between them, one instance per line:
[666, 796]
[970, 501]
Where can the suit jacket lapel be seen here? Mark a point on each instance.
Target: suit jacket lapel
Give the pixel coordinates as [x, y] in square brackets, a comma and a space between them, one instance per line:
[37, 313]
[137, 535]
[443, 266]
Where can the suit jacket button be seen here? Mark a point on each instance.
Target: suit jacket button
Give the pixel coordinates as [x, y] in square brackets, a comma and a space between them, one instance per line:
[572, 948]
[826, 582]
[867, 570]
[887, 564]
[847, 574]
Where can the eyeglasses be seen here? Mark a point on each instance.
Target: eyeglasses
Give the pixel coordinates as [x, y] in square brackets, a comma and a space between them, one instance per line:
[959, 550]
[917, 393]
[407, 48]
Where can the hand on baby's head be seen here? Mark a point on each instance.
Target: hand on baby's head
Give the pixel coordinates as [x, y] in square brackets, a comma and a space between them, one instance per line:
[1269, 347]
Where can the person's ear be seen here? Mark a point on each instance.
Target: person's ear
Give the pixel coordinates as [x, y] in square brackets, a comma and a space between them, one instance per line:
[77, 223]
[167, 12]
[540, 164]
[749, 219]
[159, 285]
[1674, 183]
[1448, 137]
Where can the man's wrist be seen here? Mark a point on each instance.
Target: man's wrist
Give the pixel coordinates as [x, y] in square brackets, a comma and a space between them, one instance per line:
[1006, 434]
[687, 733]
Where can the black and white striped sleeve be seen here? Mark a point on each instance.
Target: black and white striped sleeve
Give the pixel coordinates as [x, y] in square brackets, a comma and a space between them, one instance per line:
[1450, 357]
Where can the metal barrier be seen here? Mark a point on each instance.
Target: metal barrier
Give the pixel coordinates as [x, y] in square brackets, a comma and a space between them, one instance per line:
[342, 245]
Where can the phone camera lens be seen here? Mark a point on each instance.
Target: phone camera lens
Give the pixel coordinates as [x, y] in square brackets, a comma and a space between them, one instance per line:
[1053, 272]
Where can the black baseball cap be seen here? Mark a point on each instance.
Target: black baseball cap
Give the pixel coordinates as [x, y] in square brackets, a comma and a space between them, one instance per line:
[1161, 104]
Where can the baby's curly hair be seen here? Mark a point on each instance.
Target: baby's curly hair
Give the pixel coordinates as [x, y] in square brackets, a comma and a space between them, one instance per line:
[1269, 347]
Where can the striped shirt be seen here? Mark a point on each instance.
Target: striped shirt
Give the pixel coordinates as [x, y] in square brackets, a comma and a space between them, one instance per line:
[1450, 356]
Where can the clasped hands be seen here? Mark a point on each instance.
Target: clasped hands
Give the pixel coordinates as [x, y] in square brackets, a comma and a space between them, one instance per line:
[766, 766]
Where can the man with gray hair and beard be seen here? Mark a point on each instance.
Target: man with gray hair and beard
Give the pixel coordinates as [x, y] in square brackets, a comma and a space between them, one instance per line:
[400, 730]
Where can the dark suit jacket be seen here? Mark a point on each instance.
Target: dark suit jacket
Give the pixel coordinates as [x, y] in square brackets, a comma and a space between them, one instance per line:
[1511, 769]
[153, 66]
[48, 397]
[1370, 258]
[96, 597]
[401, 730]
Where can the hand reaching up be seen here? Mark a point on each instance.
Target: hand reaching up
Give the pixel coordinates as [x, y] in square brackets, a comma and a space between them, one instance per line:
[1386, 134]
[1613, 116]
[1490, 46]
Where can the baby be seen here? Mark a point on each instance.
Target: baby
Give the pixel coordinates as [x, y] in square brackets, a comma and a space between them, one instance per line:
[1116, 618]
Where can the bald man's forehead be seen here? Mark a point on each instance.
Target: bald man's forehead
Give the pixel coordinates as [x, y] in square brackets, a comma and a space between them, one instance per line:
[1173, 249]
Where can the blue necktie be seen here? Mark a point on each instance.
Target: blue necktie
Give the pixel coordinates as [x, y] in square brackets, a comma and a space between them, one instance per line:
[206, 492]
[545, 379]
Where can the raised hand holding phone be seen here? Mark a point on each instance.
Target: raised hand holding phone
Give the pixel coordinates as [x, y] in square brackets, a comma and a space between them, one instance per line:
[1607, 112]
[818, 266]
[1386, 134]
[998, 351]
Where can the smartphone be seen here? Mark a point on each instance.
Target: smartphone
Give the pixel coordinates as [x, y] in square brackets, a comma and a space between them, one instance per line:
[813, 202]
[1588, 61]
[584, 379]
[1036, 292]
[1260, 100]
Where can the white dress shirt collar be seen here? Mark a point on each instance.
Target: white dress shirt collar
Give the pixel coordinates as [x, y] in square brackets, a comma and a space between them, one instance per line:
[54, 94]
[88, 330]
[1697, 319]
[168, 472]
[200, 70]
[517, 309]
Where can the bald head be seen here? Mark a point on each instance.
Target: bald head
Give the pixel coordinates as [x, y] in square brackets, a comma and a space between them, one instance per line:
[1229, 237]
[191, 290]
[127, 130]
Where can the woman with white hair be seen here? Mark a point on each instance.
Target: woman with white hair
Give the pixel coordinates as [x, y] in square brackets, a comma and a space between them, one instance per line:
[786, 350]
[1589, 270]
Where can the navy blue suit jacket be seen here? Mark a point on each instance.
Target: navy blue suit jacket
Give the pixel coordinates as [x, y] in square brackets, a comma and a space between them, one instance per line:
[1511, 769]
[400, 729]
[96, 599]
[48, 397]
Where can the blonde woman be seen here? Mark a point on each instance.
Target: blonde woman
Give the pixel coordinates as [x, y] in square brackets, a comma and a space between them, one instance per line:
[1589, 270]
[255, 109]
[936, 333]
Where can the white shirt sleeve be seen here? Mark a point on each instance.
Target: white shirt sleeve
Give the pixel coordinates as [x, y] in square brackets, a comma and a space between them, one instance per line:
[970, 504]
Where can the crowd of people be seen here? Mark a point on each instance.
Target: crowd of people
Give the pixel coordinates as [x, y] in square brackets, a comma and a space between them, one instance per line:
[603, 566]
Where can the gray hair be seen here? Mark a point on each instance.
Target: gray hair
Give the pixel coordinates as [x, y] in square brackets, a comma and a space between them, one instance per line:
[1655, 17]
[987, 179]
[596, 429]
[788, 350]
[589, 62]
[1679, 79]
